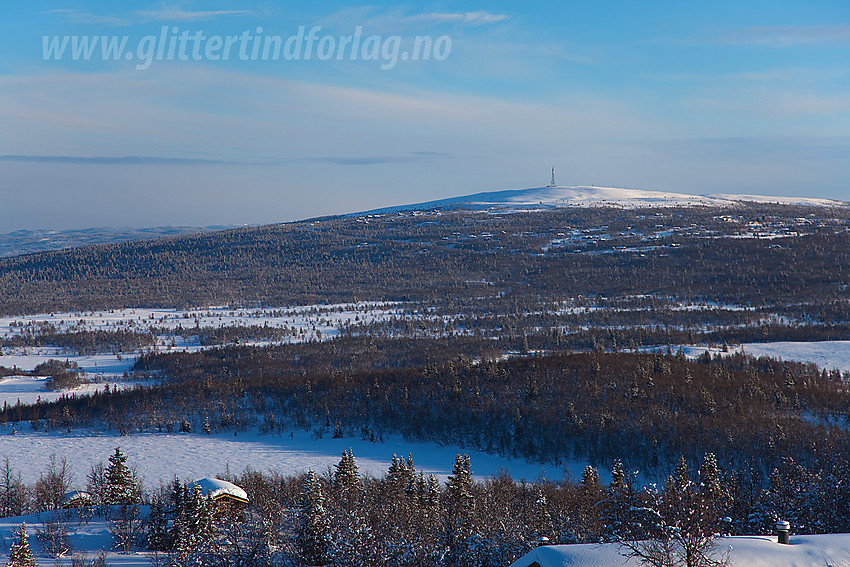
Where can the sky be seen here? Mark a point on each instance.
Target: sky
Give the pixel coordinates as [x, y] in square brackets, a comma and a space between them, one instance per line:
[222, 112]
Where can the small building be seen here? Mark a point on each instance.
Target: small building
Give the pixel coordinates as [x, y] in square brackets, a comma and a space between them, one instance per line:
[222, 491]
[76, 499]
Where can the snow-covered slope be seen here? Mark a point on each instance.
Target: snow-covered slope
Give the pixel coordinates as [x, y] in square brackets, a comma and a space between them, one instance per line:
[600, 196]
[745, 551]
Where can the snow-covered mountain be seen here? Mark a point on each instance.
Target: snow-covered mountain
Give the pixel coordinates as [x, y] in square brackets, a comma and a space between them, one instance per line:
[601, 196]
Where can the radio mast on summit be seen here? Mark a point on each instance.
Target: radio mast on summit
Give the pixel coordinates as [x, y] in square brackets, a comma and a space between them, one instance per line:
[552, 184]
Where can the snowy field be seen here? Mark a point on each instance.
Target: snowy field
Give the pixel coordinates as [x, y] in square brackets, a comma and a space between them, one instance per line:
[300, 323]
[744, 551]
[30, 390]
[829, 355]
[160, 456]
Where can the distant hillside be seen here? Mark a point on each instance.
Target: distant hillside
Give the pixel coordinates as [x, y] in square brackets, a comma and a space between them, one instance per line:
[31, 241]
[756, 254]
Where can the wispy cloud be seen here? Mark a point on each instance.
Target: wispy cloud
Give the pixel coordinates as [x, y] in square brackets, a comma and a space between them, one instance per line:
[161, 160]
[400, 19]
[377, 160]
[472, 18]
[770, 103]
[788, 36]
[181, 15]
[768, 149]
[120, 160]
[77, 17]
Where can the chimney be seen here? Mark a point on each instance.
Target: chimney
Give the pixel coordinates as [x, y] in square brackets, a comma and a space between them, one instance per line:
[782, 528]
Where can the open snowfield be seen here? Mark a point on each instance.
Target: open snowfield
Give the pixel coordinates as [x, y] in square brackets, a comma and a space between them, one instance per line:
[745, 551]
[30, 390]
[829, 355]
[98, 367]
[160, 456]
[302, 323]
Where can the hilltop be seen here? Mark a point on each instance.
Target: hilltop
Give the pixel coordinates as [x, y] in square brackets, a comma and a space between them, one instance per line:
[590, 196]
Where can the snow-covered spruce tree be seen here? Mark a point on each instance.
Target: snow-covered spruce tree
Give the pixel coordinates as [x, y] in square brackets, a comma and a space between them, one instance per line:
[194, 522]
[618, 507]
[355, 544]
[542, 519]
[401, 475]
[156, 528]
[313, 537]
[459, 511]
[20, 554]
[121, 485]
[347, 479]
[239, 543]
[714, 495]
[398, 500]
[586, 515]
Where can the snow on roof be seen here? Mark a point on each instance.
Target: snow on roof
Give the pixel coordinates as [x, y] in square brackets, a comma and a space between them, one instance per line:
[745, 551]
[218, 488]
[76, 495]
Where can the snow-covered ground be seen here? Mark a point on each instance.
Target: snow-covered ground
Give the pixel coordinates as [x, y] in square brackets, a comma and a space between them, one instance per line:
[301, 323]
[30, 390]
[160, 456]
[91, 537]
[829, 355]
[85, 538]
[745, 551]
[576, 196]
[304, 320]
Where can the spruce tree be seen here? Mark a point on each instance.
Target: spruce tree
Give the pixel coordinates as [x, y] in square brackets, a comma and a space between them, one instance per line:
[542, 518]
[617, 507]
[194, 522]
[460, 507]
[313, 537]
[21, 555]
[347, 478]
[121, 485]
[157, 528]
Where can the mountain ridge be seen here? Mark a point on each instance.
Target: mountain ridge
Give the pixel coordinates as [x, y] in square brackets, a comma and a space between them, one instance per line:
[590, 195]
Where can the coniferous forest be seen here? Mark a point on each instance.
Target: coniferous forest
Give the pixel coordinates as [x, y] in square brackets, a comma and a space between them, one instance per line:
[549, 336]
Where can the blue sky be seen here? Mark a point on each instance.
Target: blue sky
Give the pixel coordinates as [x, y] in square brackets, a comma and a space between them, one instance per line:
[696, 97]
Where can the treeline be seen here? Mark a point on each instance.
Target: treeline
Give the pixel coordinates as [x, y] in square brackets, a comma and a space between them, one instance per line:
[646, 408]
[63, 375]
[95, 341]
[403, 518]
[406, 518]
[605, 327]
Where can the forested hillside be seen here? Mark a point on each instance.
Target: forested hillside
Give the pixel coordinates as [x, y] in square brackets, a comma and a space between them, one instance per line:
[754, 255]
